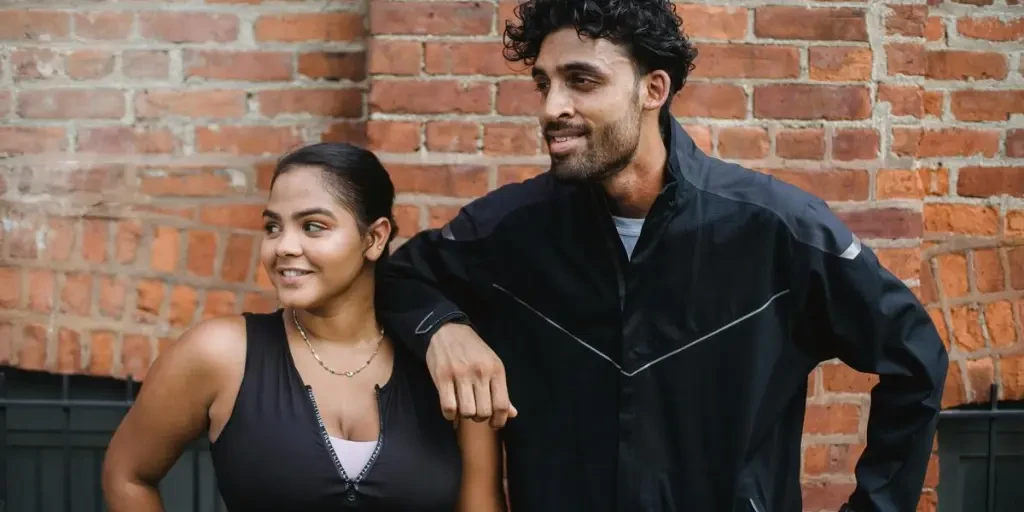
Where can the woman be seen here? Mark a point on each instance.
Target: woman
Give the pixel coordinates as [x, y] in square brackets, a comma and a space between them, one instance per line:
[311, 407]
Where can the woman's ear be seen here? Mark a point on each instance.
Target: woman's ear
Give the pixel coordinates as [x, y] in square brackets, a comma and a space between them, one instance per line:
[377, 238]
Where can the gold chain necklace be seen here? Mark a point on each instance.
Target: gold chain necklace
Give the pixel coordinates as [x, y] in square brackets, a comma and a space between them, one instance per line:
[302, 331]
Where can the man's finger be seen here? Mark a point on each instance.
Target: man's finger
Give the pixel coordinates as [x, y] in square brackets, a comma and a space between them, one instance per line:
[467, 405]
[482, 393]
[500, 403]
[449, 403]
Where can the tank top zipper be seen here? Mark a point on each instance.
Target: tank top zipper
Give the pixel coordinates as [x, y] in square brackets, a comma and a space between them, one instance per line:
[351, 483]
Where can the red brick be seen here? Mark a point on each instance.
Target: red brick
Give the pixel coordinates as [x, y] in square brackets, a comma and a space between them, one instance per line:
[910, 184]
[430, 97]
[344, 103]
[126, 241]
[184, 302]
[34, 25]
[452, 136]
[149, 298]
[968, 105]
[71, 104]
[907, 20]
[6, 102]
[935, 29]
[825, 495]
[165, 249]
[393, 136]
[241, 216]
[259, 303]
[89, 64]
[800, 144]
[127, 140]
[26, 140]
[10, 288]
[823, 24]
[32, 354]
[41, 290]
[991, 29]
[966, 324]
[743, 143]
[470, 58]
[219, 303]
[904, 263]
[699, 99]
[954, 392]
[302, 27]
[903, 100]
[840, 63]
[963, 65]
[988, 271]
[136, 356]
[237, 254]
[431, 18]
[103, 25]
[333, 65]
[518, 98]
[793, 101]
[906, 59]
[1015, 259]
[855, 144]
[7, 330]
[511, 139]
[710, 22]
[202, 252]
[75, 295]
[441, 215]
[822, 459]
[892, 223]
[95, 234]
[69, 351]
[35, 63]
[248, 140]
[832, 419]
[185, 182]
[1015, 143]
[160, 104]
[188, 27]
[154, 64]
[101, 353]
[60, 239]
[971, 2]
[990, 181]
[111, 294]
[407, 216]
[961, 218]
[517, 173]
[944, 142]
[746, 61]
[68, 179]
[840, 378]
[395, 57]
[442, 180]
[701, 136]
[849, 185]
[255, 66]
[350, 131]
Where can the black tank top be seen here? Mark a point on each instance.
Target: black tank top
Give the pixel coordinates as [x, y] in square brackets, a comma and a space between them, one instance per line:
[274, 454]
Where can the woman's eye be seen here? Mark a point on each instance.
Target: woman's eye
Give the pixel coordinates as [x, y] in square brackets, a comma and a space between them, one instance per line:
[314, 227]
[270, 228]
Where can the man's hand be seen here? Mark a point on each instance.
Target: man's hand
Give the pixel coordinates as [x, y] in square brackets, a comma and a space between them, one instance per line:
[469, 376]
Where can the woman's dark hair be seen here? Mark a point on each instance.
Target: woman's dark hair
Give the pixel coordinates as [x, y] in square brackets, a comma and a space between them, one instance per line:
[649, 29]
[351, 174]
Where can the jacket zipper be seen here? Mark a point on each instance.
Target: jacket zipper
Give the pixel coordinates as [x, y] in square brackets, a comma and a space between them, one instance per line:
[755, 505]
[609, 240]
[330, 447]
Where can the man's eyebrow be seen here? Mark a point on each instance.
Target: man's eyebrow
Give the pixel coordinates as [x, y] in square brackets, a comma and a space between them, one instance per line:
[568, 67]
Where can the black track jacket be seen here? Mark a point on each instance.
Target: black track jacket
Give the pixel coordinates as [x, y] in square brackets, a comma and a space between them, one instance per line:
[675, 381]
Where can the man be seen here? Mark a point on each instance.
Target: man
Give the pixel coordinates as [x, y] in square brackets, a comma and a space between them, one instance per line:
[656, 311]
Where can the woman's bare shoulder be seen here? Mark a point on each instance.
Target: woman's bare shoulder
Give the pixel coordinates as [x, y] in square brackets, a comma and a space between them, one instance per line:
[214, 345]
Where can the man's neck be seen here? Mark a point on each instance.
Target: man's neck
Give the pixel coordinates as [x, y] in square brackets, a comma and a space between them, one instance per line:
[633, 190]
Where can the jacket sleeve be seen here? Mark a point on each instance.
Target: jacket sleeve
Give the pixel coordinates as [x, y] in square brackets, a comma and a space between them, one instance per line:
[428, 280]
[860, 313]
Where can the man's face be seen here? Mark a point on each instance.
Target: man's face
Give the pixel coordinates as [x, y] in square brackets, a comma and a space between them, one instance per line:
[592, 105]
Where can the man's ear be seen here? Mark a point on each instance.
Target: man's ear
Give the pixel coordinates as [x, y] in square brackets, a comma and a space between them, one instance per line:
[377, 237]
[656, 87]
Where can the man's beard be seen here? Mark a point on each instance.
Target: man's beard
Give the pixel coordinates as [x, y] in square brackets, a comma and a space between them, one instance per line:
[608, 150]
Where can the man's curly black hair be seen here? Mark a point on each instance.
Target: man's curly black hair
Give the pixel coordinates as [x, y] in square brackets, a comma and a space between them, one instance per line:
[649, 29]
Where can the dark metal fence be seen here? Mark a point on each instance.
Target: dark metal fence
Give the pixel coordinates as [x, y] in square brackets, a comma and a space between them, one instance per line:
[54, 430]
[992, 414]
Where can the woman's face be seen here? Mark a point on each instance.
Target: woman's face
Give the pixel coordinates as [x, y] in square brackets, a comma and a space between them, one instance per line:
[312, 248]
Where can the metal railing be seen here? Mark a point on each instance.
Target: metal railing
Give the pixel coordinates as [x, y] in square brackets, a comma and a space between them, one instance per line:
[48, 425]
[991, 413]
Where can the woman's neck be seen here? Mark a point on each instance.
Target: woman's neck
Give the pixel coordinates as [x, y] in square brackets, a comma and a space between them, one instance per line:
[349, 318]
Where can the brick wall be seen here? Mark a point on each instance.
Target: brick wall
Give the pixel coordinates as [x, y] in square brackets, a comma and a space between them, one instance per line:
[139, 136]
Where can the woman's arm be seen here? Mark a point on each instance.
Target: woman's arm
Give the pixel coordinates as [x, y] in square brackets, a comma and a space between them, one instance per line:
[172, 409]
[483, 488]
